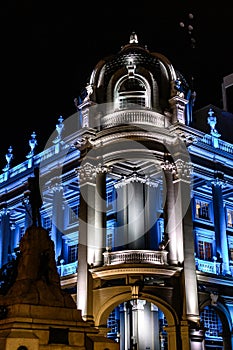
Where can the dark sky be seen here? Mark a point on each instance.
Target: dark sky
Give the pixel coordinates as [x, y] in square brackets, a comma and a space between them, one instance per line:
[49, 49]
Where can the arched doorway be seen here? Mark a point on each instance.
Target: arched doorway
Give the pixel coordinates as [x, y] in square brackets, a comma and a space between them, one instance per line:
[153, 313]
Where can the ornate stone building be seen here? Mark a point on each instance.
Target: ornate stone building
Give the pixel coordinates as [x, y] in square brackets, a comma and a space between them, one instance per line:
[136, 191]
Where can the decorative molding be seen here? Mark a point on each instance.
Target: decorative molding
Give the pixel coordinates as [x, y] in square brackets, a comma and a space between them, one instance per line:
[184, 170]
[134, 177]
[88, 171]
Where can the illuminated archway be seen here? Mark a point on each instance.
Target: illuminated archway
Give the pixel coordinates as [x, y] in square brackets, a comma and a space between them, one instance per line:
[147, 306]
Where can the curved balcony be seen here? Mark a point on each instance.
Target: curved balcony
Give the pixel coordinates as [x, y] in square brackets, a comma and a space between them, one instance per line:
[127, 117]
[135, 257]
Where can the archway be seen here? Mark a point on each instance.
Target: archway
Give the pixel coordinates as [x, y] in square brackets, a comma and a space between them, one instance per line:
[139, 324]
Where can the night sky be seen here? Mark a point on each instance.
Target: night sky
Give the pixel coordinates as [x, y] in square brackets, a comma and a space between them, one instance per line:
[49, 49]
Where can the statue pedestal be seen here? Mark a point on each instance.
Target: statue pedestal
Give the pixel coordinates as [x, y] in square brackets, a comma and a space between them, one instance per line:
[35, 313]
[49, 328]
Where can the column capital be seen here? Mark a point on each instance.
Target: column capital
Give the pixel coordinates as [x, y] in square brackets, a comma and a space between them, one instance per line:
[183, 170]
[217, 183]
[138, 304]
[88, 171]
[169, 166]
[4, 211]
[55, 184]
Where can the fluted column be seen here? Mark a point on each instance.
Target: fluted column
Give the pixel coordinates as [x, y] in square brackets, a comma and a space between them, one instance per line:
[220, 224]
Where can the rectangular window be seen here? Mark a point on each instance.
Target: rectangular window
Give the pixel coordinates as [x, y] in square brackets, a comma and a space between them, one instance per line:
[110, 233]
[231, 254]
[110, 198]
[73, 215]
[22, 231]
[47, 223]
[73, 253]
[229, 217]
[131, 101]
[202, 209]
[205, 250]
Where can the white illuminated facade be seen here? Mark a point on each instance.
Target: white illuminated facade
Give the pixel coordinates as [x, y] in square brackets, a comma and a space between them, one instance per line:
[137, 191]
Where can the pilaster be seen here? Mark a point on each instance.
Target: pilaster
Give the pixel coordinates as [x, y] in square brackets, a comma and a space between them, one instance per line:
[220, 222]
[92, 227]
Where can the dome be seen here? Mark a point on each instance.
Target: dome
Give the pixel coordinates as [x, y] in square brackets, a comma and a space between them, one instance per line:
[134, 68]
[135, 78]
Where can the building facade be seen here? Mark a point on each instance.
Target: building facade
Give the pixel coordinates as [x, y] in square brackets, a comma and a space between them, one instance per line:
[136, 192]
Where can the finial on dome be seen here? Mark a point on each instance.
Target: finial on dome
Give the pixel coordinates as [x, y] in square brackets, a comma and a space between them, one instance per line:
[133, 38]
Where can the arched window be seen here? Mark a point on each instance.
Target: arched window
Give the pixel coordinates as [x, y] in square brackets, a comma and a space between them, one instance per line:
[213, 326]
[132, 91]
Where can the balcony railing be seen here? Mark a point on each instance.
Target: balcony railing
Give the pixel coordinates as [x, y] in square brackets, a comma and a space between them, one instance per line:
[128, 117]
[208, 266]
[67, 269]
[135, 257]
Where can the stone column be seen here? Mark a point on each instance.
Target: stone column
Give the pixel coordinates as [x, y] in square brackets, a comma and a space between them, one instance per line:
[92, 210]
[100, 215]
[136, 215]
[120, 239]
[152, 210]
[184, 224]
[138, 338]
[123, 327]
[220, 224]
[154, 328]
[57, 216]
[170, 231]
[86, 216]
[192, 337]
[5, 235]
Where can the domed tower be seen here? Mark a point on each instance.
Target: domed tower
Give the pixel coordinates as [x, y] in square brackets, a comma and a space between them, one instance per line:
[136, 262]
